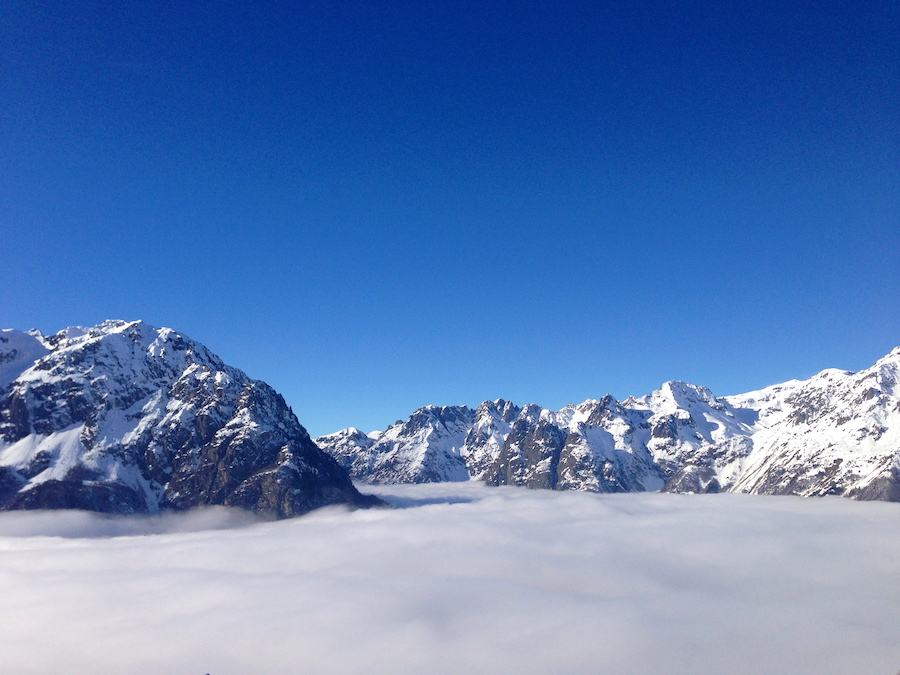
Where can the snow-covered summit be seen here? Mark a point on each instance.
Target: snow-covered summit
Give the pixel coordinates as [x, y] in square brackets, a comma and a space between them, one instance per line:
[675, 395]
[18, 352]
[126, 417]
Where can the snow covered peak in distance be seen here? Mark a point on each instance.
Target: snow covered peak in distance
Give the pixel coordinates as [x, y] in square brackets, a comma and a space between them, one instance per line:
[127, 418]
[18, 351]
[836, 433]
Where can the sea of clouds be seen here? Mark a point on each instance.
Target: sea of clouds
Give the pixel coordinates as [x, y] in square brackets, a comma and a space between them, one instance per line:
[461, 579]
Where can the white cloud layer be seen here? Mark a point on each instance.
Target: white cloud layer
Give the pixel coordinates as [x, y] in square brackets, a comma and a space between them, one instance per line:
[467, 580]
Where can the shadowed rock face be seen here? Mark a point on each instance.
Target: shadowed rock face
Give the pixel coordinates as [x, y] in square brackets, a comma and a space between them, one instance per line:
[694, 480]
[485, 440]
[530, 456]
[127, 418]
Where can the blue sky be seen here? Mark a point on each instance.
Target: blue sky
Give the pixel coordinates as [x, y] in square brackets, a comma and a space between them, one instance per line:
[375, 206]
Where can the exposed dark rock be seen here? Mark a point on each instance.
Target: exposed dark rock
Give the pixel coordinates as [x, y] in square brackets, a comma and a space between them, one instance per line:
[693, 480]
[103, 497]
[529, 457]
[884, 488]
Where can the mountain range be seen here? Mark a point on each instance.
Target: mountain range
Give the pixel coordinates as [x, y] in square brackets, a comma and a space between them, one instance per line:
[127, 418]
[836, 433]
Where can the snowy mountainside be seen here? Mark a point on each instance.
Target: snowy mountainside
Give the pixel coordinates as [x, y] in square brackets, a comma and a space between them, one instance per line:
[425, 448]
[836, 433]
[127, 418]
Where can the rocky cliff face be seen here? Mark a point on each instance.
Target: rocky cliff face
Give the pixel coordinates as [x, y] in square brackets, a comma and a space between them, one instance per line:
[484, 442]
[127, 418]
[836, 433]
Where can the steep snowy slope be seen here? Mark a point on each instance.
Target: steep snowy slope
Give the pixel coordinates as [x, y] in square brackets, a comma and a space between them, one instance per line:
[128, 418]
[836, 433]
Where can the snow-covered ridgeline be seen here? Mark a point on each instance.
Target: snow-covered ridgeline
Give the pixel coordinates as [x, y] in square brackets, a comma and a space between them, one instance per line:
[836, 433]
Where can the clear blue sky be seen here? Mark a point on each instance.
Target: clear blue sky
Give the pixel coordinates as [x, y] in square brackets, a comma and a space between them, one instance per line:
[378, 205]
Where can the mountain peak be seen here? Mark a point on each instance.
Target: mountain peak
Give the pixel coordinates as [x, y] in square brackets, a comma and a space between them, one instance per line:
[892, 356]
[675, 395]
[123, 417]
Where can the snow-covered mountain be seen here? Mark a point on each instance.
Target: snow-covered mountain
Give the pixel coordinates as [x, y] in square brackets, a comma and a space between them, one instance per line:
[836, 433]
[127, 418]
[425, 448]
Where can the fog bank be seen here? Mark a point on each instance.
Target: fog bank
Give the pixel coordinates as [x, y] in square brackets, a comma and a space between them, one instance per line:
[462, 578]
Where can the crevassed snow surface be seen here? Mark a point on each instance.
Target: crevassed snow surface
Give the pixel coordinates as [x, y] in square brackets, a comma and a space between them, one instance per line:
[462, 578]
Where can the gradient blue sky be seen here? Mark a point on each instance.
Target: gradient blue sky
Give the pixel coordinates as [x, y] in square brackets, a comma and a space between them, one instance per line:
[375, 206]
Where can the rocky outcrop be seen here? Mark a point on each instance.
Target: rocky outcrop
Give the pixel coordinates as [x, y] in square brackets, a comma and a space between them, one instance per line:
[485, 440]
[127, 418]
[530, 453]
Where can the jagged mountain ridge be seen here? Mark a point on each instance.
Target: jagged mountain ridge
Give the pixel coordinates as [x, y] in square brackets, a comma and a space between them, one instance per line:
[127, 418]
[836, 433]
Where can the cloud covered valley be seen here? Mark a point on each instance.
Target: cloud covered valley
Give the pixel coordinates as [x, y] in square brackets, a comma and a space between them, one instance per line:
[461, 578]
